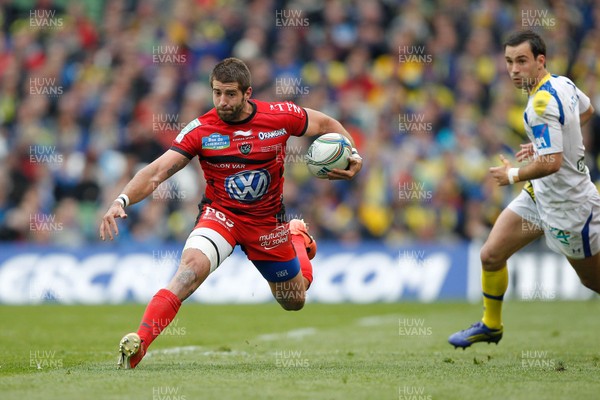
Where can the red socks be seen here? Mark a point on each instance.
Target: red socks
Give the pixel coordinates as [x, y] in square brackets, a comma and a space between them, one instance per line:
[159, 313]
[305, 265]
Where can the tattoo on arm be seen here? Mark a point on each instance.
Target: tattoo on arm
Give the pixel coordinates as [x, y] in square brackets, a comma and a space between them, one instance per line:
[174, 168]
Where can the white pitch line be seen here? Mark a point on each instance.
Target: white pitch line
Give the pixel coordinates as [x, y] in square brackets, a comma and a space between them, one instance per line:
[375, 320]
[296, 334]
[174, 350]
[193, 349]
[293, 334]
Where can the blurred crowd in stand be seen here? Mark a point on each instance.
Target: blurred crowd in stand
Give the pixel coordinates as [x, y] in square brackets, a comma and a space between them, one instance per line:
[91, 91]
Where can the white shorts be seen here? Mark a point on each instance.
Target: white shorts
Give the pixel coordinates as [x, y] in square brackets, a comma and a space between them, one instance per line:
[574, 233]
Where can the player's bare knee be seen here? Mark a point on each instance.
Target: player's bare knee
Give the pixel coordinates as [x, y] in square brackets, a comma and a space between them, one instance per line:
[192, 264]
[591, 284]
[290, 300]
[491, 259]
[295, 305]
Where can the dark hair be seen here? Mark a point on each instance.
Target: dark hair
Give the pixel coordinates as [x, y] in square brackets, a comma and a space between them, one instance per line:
[232, 70]
[536, 43]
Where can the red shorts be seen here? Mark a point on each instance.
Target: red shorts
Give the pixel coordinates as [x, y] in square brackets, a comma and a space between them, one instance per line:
[261, 238]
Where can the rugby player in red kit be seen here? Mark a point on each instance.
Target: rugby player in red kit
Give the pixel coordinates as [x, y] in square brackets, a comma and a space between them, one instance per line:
[241, 147]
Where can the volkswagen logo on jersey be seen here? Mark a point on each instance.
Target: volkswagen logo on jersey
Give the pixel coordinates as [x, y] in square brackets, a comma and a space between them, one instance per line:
[248, 186]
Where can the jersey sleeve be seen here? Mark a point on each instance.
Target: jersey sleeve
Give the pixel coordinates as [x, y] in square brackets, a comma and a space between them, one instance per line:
[547, 123]
[297, 119]
[584, 101]
[187, 144]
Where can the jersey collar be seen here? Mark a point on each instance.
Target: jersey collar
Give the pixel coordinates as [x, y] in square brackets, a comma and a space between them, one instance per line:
[540, 83]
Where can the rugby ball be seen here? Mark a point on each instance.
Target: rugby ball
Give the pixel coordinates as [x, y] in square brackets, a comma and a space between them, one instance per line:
[328, 152]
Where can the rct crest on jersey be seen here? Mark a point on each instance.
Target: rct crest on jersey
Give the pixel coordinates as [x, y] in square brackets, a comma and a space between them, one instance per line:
[245, 148]
[248, 186]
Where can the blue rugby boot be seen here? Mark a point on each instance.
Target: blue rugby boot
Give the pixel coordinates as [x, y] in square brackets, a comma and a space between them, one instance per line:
[478, 332]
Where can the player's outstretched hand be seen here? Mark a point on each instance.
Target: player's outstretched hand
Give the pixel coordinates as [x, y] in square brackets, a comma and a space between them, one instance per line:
[354, 166]
[108, 224]
[526, 153]
[500, 174]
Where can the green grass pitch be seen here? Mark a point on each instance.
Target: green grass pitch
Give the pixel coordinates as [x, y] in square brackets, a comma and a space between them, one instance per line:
[379, 351]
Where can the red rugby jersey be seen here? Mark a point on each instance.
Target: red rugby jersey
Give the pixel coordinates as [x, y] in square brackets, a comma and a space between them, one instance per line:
[243, 161]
